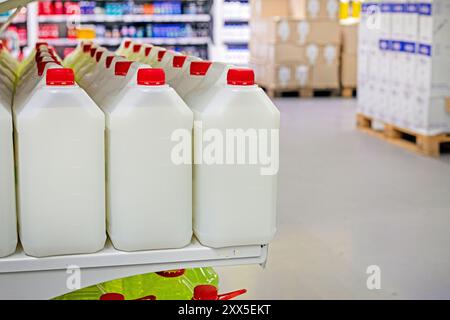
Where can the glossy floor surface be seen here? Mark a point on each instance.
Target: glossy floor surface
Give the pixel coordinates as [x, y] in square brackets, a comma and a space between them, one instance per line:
[348, 201]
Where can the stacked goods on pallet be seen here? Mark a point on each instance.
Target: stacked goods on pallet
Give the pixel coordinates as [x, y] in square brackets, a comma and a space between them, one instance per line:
[404, 65]
[295, 44]
[349, 55]
[104, 146]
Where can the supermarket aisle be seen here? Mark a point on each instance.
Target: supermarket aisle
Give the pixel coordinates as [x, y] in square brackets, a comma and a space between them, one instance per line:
[363, 202]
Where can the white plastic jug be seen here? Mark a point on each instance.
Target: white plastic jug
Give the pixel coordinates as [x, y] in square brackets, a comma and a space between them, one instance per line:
[124, 45]
[124, 72]
[60, 169]
[152, 54]
[176, 66]
[197, 72]
[8, 220]
[235, 202]
[104, 59]
[90, 65]
[72, 57]
[135, 54]
[99, 85]
[214, 80]
[166, 59]
[149, 196]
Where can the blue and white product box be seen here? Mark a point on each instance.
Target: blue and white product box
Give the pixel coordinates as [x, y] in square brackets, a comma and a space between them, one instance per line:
[404, 64]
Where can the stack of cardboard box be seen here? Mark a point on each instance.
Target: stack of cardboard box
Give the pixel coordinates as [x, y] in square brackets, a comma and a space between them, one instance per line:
[349, 57]
[295, 43]
[404, 64]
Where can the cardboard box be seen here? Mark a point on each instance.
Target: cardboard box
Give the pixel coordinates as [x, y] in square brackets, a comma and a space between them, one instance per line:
[315, 9]
[269, 8]
[282, 76]
[276, 30]
[349, 63]
[276, 53]
[325, 76]
[322, 54]
[349, 38]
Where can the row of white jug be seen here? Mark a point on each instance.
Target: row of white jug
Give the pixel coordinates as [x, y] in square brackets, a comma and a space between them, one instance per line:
[151, 200]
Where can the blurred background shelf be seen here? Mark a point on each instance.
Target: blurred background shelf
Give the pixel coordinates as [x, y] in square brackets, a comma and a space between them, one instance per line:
[116, 41]
[126, 18]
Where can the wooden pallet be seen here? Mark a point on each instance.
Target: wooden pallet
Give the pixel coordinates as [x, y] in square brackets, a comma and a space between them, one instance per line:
[407, 139]
[348, 92]
[301, 92]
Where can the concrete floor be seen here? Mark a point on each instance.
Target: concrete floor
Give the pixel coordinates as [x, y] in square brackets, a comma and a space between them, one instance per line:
[348, 201]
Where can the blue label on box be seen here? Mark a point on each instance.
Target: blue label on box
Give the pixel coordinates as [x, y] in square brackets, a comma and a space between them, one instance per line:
[424, 49]
[396, 45]
[369, 7]
[386, 7]
[409, 47]
[412, 8]
[398, 7]
[385, 45]
[425, 9]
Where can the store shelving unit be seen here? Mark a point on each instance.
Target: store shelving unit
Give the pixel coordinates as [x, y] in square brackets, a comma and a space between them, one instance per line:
[196, 23]
[112, 42]
[126, 18]
[45, 278]
[231, 31]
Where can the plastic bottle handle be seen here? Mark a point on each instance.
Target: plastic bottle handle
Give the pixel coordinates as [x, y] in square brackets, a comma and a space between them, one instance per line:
[231, 295]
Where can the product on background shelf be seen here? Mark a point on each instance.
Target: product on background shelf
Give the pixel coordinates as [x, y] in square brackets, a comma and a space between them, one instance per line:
[403, 67]
[297, 49]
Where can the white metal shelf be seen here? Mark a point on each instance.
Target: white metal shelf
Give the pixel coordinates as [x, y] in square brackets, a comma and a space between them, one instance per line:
[24, 277]
[116, 41]
[127, 18]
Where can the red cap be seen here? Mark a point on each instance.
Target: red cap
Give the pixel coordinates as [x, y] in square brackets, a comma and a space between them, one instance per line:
[60, 77]
[40, 43]
[112, 296]
[108, 62]
[147, 51]
[161, 54]
[199, 68]
[1, 45]
[98, 56]
[205, 292]
[93, 50]
[122, 67]
[87, 47]
[151, 77]
[137, 47]
[178, 61]
[241, 77]
[127, 44]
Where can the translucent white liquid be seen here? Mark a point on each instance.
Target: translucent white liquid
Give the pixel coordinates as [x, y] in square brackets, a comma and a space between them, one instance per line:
[234, 204]
[61, 172]
[149, 196]
[8, 221]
